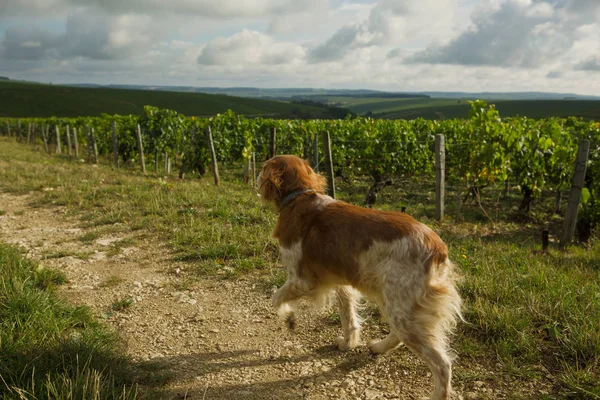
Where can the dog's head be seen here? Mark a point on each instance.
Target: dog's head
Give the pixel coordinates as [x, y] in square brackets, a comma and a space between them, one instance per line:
[282, 175]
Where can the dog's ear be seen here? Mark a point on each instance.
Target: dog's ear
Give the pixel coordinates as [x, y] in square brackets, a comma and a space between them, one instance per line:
[270, 182]
[316, 181]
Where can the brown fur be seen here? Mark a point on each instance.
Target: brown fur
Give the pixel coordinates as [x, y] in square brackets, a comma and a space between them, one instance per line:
[388, 256]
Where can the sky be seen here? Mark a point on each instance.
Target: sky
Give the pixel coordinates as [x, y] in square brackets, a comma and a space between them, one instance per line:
[394, 45]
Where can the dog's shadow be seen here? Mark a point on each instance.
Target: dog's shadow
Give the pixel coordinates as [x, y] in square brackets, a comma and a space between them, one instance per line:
[193, 376]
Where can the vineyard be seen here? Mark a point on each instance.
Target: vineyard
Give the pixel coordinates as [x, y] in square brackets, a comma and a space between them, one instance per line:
[484, 150]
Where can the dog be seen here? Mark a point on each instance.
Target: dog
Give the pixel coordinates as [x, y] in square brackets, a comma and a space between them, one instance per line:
[395, 261]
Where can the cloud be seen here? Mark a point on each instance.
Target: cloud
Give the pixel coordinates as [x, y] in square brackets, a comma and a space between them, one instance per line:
[204, 8]
[591, 64]
[98, 37]
[389, 22]
[249, 47]
[513, 33]
[554, 75]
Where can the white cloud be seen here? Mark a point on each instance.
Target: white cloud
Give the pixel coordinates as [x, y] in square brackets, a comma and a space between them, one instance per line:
[249, 47]
[390, 22]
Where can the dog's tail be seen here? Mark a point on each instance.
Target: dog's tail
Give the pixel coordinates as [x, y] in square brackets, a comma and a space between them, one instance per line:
[440, 303]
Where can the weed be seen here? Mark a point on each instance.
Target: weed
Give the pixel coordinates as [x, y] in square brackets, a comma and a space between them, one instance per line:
[112, 281]
[121, 304]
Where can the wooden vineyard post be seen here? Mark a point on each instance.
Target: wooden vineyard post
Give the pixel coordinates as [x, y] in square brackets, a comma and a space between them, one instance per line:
[19, 135]
[45, 133]
[140, 148]
[58, 149]
[440, 169]
[457, 216]
[29, 133]
[76, 143]
[316, 154]
[213, 155]
[34, 135]
[247, 167]
[575, 195]
[254, 179]
[186, 154]
[8, 129]
[88, 136]
[329, 164]
[69, 152]
[545, 240]
[167, 164]
[115, 144]
[94, 146]
[272, 148]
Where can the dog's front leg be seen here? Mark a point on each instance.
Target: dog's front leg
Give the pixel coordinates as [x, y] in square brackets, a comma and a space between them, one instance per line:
[289, 293]
[281, 300]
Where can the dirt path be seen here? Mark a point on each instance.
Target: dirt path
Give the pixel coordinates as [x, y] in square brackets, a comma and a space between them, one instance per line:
[218, 338]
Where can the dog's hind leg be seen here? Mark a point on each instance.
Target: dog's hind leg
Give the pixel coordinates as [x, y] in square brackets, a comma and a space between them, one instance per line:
[347, 299]
[423, 321]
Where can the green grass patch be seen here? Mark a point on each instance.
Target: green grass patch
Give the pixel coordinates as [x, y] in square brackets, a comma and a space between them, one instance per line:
[90, 237]
[50, 349]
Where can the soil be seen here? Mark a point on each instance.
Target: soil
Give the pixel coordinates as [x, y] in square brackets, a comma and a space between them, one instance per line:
[217, 338]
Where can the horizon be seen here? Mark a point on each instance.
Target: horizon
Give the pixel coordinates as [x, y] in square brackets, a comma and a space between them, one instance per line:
[490, 46]
[304, 88]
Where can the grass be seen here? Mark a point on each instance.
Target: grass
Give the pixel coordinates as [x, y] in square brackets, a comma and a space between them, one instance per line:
[121, 304]
[532, 317]
[27, 99]
[51, 350]
[68, 253]
[112, 281]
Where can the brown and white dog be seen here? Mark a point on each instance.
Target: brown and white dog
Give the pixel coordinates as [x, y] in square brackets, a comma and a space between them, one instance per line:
[389, 257]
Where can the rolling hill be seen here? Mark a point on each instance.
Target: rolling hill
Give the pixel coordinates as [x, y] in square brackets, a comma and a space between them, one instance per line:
[27, 99]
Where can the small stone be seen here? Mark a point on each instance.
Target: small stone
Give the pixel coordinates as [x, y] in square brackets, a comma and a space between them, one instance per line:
[137, 284]
[347, 383]
[214, 330]
[371, 394]
[478, 384]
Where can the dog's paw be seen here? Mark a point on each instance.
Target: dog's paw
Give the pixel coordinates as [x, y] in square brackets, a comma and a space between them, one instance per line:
[341, 343]
[290, 321]
[377, 347]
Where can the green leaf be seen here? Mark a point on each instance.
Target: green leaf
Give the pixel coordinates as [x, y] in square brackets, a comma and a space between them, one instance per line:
[585, 195]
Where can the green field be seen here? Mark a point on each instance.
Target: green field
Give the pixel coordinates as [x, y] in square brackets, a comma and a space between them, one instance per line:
[393, 108]
[20, 99]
